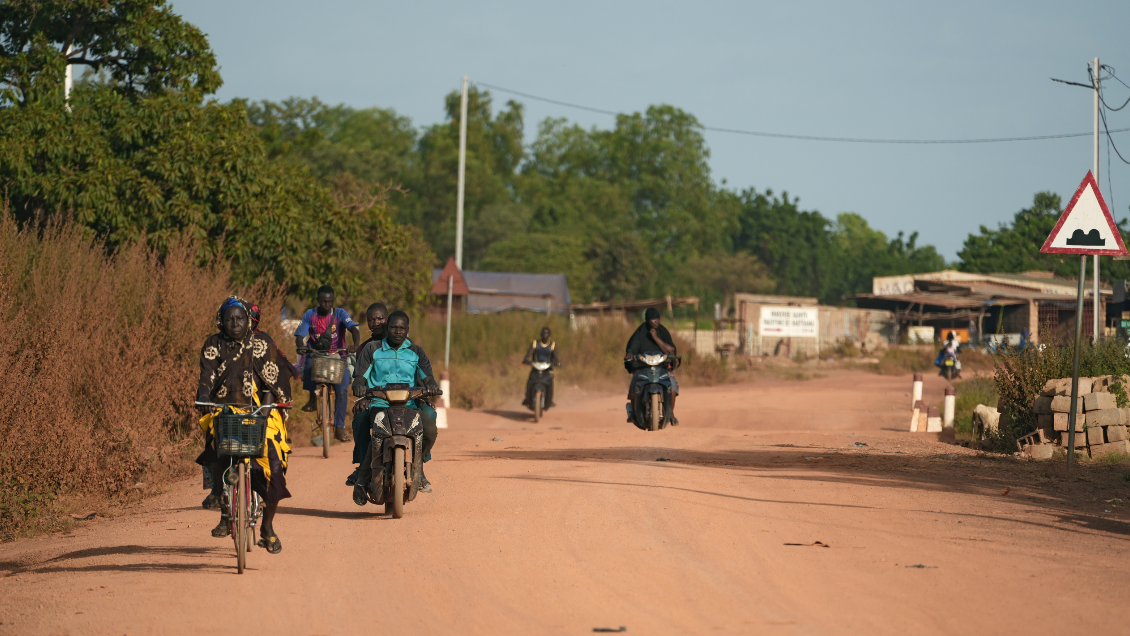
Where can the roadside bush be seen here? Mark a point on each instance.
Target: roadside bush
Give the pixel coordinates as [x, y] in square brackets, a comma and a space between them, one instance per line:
[101, 366]
[1020, 375]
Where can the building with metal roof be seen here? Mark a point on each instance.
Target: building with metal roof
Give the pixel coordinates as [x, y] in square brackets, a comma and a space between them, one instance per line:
[493, 292]
[982, 305]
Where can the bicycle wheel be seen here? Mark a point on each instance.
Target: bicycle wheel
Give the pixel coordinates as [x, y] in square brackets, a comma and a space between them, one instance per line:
[239, 496]
[327, 419]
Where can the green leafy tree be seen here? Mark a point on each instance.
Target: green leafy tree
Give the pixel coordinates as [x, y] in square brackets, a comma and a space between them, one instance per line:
[142, 44]
[543, 254]
[142, 155]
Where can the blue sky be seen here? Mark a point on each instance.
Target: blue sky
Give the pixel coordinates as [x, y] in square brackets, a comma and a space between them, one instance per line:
[872, 69]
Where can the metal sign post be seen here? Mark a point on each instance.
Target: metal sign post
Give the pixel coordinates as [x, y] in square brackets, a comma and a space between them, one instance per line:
[1071, 418]
[1085, 228]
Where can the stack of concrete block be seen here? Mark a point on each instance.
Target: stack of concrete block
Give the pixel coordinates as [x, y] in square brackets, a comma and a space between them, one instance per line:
[1100, 426]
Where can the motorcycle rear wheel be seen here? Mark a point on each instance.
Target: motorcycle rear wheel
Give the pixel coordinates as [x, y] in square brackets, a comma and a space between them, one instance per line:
[397, 483]
[539, 400]
[654, 413]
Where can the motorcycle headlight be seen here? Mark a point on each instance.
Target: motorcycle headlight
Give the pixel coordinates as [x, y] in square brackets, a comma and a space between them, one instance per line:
[541, 366]
[397, 395]
[654, 360]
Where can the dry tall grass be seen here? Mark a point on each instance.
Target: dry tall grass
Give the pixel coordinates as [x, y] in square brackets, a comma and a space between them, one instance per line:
[487, 351]
[100, 370]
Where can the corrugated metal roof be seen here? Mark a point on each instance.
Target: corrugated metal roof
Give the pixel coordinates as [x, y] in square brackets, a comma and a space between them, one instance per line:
[492, 292]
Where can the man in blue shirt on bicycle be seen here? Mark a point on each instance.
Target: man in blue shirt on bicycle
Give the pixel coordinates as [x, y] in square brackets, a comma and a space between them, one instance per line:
[323, 329]
[394, 360]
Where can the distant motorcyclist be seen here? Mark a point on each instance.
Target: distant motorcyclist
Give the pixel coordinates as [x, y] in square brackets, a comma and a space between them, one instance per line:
[543, 350]
[650, 336]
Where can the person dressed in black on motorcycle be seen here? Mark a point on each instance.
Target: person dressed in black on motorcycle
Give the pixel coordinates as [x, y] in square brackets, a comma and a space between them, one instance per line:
[650, 336]
[543, 350]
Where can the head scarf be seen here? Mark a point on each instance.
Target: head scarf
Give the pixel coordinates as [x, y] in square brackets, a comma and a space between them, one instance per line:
[232, 301]
[651, 314]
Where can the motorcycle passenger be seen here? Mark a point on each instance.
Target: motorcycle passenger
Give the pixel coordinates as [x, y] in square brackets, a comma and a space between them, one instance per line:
[237, 365]
[326, 326]
[377, 318]
[544, 350]
[395, 360]
[650, 336]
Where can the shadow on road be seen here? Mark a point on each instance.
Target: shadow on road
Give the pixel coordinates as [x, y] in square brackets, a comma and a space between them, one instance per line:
[217, 553]
[1049, 487]
[517, 416]
[368, 512]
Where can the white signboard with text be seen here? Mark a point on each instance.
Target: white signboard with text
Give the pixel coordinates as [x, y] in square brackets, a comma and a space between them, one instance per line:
[796, 322]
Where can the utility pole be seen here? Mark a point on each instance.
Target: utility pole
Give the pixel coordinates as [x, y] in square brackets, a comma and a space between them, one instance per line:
[68, 81]
[462, 177]
[458, 216]
[1095, 293]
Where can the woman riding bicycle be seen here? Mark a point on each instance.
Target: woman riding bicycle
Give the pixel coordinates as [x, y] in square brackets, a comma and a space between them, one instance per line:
[239, 367]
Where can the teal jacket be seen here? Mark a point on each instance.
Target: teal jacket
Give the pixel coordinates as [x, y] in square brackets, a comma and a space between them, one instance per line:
[401, 365]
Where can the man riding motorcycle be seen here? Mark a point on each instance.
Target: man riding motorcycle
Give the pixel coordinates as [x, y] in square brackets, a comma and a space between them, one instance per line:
[544, 350]
[397, 360]
[650, 336]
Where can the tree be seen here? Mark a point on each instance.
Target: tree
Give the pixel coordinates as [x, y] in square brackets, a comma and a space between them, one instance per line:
[543, 254]
[144, 46]
[140, 154]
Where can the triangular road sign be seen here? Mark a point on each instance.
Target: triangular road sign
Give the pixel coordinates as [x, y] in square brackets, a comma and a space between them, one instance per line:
[1085, 227]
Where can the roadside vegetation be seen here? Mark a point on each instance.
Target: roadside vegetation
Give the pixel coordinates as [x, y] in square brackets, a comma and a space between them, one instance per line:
[100, 370]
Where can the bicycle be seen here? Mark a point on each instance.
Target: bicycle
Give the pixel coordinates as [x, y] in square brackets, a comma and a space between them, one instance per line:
[240, 437]
[326, 371]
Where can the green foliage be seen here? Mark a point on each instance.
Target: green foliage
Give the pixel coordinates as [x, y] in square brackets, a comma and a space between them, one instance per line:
[1015, 247]
[979, 389]
[144, 46]
[634, 205]
[812, 256]
[138, 153]
[1021, 375]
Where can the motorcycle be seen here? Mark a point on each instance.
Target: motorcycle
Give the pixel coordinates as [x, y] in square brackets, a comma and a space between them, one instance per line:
[650, 406]
[949, 364]
[398, 442]
[542, 378]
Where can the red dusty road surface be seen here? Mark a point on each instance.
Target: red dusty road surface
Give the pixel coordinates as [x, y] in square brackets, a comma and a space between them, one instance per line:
[574, 523]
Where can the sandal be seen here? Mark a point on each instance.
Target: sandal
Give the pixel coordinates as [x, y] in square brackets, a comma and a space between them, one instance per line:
[211, 502]
[223, 529]
[310, 407]
[360, 495]
[271, 543]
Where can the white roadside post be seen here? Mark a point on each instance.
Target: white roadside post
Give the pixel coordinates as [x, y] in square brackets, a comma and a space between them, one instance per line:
[441, 403]
[915, 413]
[947, 408]
[916, 389]
[933, 420]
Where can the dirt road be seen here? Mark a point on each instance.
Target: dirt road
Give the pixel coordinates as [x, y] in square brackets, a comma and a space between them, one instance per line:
[573, 524]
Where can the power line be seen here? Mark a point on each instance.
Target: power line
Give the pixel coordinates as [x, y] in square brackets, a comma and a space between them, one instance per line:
[859, 140]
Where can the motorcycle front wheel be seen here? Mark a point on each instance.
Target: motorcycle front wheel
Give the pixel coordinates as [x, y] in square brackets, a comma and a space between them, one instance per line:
[655, 412]
[397, 483]
[539, 400]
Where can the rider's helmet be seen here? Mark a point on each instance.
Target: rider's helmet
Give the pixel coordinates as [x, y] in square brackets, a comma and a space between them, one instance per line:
[253, 314]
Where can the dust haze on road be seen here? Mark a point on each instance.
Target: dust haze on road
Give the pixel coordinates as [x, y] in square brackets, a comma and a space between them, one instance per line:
[780, 506]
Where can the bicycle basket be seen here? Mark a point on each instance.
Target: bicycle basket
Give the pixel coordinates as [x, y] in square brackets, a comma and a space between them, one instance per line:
[327, 369]
[240, 435]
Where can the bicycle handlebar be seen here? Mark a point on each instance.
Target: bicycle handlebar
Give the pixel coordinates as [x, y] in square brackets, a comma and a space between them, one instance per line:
[255, 411]
[305, 350]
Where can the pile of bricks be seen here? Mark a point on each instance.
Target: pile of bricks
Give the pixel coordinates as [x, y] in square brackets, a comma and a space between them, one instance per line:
[1100, 426]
